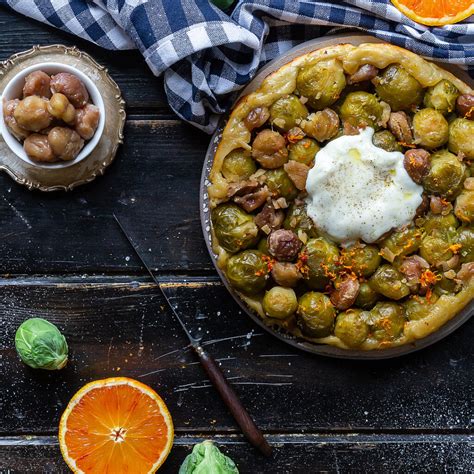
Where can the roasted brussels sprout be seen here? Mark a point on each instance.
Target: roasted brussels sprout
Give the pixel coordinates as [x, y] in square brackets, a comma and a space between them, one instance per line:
[316, 314]
[263, 246]
[234, 228]
[446, 174]
[287, 112]
[247, 271]
[461, 133]
[388, 281]
[238, 165]
[466, 239]
[398, 88]
[435, 249]
[320, 257]
[297, 219]
[402, 242]
[351, 327]
[439, 224]
[464, 208]
[321, 83]
[417, 307]
[280, 302]
[41, 345]
[442, 96]
[303, 151]
[361, 109]
[387, 141]
[430, 128]
[280, 184]
[445, 286]
[367, 297]
[32, 114]
[386, 320]
[363, 260]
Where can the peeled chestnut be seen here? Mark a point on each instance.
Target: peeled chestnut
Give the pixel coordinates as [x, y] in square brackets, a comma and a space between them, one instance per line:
[65, 143]
[60, 107]
[37, 83]
[87, 120]
[32, 114]
[8, 109]
[37, 147]
[72, 87]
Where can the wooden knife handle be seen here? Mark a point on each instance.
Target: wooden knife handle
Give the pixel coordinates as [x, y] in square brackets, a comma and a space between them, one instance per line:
[217, 378]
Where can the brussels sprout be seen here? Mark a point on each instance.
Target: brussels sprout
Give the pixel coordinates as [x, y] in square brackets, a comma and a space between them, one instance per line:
[466, 239]
[446, 174]
[40, 345]
[439, 224]
[206, 458]
[430, 128]
[398, 88]
[316, 314]
[361, 109]
[388, 281]
[320, 257]
[280, 302]
[247, 271]
[263, 246]
[460, 140]
[402, 242]
[297, 219]
[363, 260]
[386, 320]
[351, 328]
[464, 208]
[445, 286]
[321, 83]
[435, 249]
[442, 96]
[387, 141]
[287, 112]
[234, 228]
[417, 307]
[367, 297]
[238, 165]
[303, 150]
[280, 184]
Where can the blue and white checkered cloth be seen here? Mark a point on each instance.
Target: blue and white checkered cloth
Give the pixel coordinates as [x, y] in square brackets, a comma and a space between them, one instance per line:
[208, 55]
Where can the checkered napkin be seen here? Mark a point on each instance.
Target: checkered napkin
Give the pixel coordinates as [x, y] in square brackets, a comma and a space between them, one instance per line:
[208, 55]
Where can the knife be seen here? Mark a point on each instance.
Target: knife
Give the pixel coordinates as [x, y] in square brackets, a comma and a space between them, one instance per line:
[215, 374]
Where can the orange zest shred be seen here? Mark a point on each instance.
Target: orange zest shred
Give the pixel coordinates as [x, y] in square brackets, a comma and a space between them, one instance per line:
[455, 248]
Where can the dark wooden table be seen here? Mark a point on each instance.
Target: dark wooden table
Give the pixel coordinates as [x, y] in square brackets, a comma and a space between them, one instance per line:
[63, 258]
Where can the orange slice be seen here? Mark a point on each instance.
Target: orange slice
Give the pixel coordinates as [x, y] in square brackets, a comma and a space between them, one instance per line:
[116, 425]
[436, 12]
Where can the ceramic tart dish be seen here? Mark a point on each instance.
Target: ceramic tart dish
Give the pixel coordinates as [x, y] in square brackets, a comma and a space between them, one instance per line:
[341, 199]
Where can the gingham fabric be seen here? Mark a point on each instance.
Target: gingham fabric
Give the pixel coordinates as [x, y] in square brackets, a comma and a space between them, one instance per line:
[208, 55]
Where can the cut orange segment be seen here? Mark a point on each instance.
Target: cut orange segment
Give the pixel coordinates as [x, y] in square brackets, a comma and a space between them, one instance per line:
[436, 12]
[116, 425]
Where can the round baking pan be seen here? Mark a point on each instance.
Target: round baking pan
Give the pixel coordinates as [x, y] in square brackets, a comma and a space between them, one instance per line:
[322, 349]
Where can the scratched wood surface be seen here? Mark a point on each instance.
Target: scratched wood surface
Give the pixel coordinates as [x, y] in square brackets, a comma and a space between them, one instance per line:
[63, 258]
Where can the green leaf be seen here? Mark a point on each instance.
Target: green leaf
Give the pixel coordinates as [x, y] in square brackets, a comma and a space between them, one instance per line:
[207, 459]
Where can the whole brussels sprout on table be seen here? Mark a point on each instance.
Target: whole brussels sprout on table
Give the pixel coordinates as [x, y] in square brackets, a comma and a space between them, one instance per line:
[206, 458]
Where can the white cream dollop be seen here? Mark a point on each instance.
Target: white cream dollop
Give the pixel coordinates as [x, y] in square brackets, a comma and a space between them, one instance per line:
[359, 191]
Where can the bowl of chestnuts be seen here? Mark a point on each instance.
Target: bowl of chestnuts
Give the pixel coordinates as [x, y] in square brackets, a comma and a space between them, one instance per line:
[52, 115]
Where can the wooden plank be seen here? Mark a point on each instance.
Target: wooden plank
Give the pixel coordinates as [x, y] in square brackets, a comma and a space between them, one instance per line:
[154, 181]
[292, 454]
[121, 326]
[141, 89]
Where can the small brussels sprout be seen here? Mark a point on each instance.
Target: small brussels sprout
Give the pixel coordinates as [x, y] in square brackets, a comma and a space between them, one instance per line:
[386, 320]
[403, 242]
[464, 208]
[439, 224]
[445, 286]
[361, 109]
[430, 128]
[465, 238]
[280, 302]
[234, 228]
[321, 83]
[297, 219]
[442, 96]
[206, 458]
[320, 257]
[398, 88]
[40, 345]
[280, 184]
[417, 307]
[303, 150]
[287, 112]
[388, 281]
[363, 260]
[263, 246]
[247, 271]
[316, 314]
[435, 249]
[367, 297]
[351, 327]
[387, 141]
[446, 174]
[238, 165]
[460, 140]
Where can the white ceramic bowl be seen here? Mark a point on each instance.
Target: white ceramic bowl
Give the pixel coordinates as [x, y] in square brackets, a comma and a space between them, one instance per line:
[13, 90]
